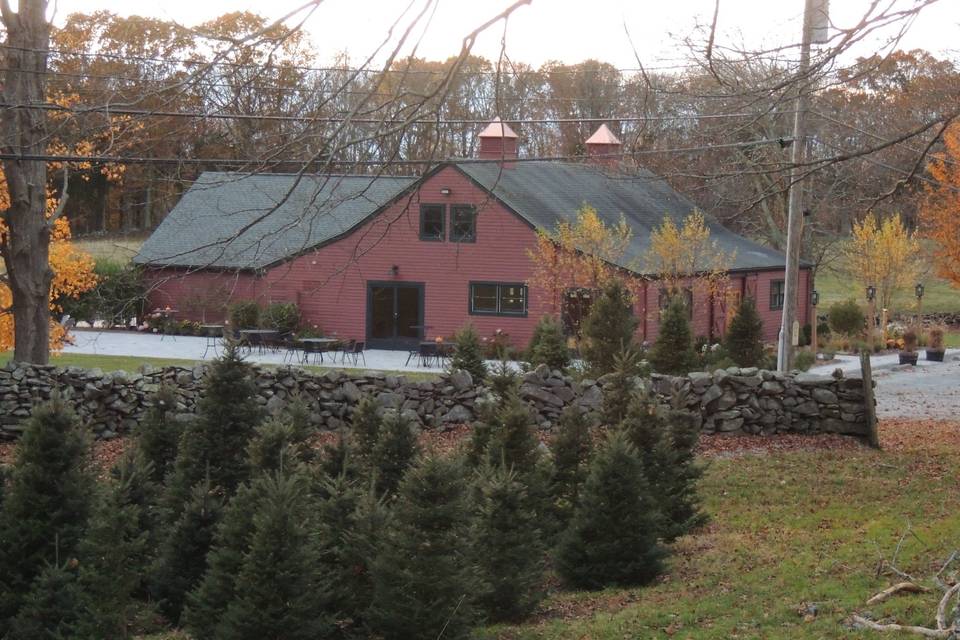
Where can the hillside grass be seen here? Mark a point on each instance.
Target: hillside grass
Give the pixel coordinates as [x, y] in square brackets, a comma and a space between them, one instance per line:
[116, 248]
[788, 530]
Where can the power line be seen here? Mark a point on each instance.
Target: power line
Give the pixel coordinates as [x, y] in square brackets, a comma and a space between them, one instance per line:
[372, 163]
[329, 119]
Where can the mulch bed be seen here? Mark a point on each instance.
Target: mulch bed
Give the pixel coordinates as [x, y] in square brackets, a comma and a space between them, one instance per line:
[895, 436]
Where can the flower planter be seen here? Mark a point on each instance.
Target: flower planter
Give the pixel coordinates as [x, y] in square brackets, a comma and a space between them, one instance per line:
[935, 355]
[908, 357]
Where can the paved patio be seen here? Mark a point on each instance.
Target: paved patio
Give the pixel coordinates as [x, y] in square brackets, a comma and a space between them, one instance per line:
[148, 345]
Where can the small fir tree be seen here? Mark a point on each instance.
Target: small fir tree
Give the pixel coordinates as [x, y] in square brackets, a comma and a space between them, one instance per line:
[468, 355]
[612, 538]
[609, 327]
[744, 339]
[279, 590]
[512, 438]
[275, 446]
[672, 352]
[133, 475]
[619, 388]
[503, 380]
[47, 502]
[571, 452]
[351, 522]
[366, 424]
[424, 584]
[112, 564]
[394, 453]
[548, 346]
[182, 558]
[339, 458]
[206, 604]
[158, 434]
[53, 607]
[507, 546]
[666, 439]
[215, 443]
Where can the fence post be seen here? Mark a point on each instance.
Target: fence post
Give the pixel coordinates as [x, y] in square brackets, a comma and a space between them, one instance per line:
[873, 439]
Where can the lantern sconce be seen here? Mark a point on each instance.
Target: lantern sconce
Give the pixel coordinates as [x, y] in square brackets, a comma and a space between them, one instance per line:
[918, 290]
[394, 270]
[445, 191]
[871, 293]
[814, 298]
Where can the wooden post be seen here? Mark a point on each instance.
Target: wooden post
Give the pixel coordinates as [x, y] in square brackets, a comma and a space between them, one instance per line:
[870, 408]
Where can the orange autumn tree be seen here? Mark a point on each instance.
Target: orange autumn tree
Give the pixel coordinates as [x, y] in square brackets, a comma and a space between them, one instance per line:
[940, 211]
[72, 272]
[577, 255]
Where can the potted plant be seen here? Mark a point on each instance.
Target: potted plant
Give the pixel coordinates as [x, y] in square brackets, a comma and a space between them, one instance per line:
[935, 348]
[908, 355]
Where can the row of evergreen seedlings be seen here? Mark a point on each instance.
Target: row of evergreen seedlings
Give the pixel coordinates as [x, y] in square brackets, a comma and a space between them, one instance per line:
[236, 527]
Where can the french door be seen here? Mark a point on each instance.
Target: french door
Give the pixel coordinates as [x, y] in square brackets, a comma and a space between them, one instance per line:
[394, 314]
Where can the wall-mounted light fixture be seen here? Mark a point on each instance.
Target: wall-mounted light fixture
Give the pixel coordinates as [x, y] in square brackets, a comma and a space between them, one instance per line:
[814, 298]
[394, 270]
[445, 191]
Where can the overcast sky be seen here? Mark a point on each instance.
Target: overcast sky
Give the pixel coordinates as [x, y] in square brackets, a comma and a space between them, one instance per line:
[565, 30]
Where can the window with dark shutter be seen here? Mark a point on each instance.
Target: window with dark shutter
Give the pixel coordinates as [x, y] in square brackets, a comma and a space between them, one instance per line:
[776, 295]
[499, 299]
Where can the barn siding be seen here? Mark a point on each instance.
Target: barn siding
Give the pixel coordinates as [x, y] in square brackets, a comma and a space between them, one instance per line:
[330, 282]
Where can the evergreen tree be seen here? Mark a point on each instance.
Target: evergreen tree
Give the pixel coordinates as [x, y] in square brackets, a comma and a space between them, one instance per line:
[503, 380]
[275, 446]
[620, 385]
[182, 558]
[279, 592]
[47, 502]
[571, 452]
[609, 327]
[52, 608]
[215, 443]
[134, 475]
[666, 440]
[744, 339]
[548, 346]
[296, 413]
[507, 546]
[394, 453]
[159, 432]
[424, 584]
[612, 538]
[112, 564]
[338, 458]
[351, 522]
[512, 437]
[468, 356]
[206, 604]
[366, 424]
[672, 351]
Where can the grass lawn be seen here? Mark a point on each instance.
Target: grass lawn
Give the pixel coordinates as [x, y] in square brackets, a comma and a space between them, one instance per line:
[939, 295]
[788, 529]
[120, 248]
[133, 363]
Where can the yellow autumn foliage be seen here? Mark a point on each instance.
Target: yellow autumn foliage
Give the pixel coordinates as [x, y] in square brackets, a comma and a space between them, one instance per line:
[885, 255]
[579, 254]
[686, 255]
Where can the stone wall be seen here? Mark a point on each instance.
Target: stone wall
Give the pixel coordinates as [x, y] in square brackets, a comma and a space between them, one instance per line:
[732, 400]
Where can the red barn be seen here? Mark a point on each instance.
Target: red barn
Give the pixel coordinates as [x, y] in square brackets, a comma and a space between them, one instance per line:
[394, 260]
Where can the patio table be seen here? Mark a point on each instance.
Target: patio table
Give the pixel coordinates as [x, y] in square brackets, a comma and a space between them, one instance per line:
[255, 337]
[213, 333]
[320, 344]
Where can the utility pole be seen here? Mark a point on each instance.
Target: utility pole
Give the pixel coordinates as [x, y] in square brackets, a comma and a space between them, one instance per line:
[813, 11]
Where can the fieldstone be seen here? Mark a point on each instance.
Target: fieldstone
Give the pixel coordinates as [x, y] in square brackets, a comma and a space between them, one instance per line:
[539, 394]
[389, 400]
[771, 387]
[592, 397]
[824, 396]
[350, 391]
[730, 425]
[461, 380]
[727, 400]
[812, 379]
[275, 405]
[711, 394]
[808, 408]
[457, 414]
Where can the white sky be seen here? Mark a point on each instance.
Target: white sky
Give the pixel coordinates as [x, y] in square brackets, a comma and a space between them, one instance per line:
[565, 30]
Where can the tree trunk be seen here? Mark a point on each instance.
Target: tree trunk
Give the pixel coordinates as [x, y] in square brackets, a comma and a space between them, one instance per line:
[26, 245]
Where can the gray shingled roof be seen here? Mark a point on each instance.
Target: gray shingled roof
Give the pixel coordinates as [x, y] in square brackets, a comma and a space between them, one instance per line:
[544, 193]
[242, 221]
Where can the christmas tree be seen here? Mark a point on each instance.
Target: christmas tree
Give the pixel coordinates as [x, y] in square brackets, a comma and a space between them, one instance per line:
[744, 339]
[672, 351]
[468, 356]
[609, 327]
